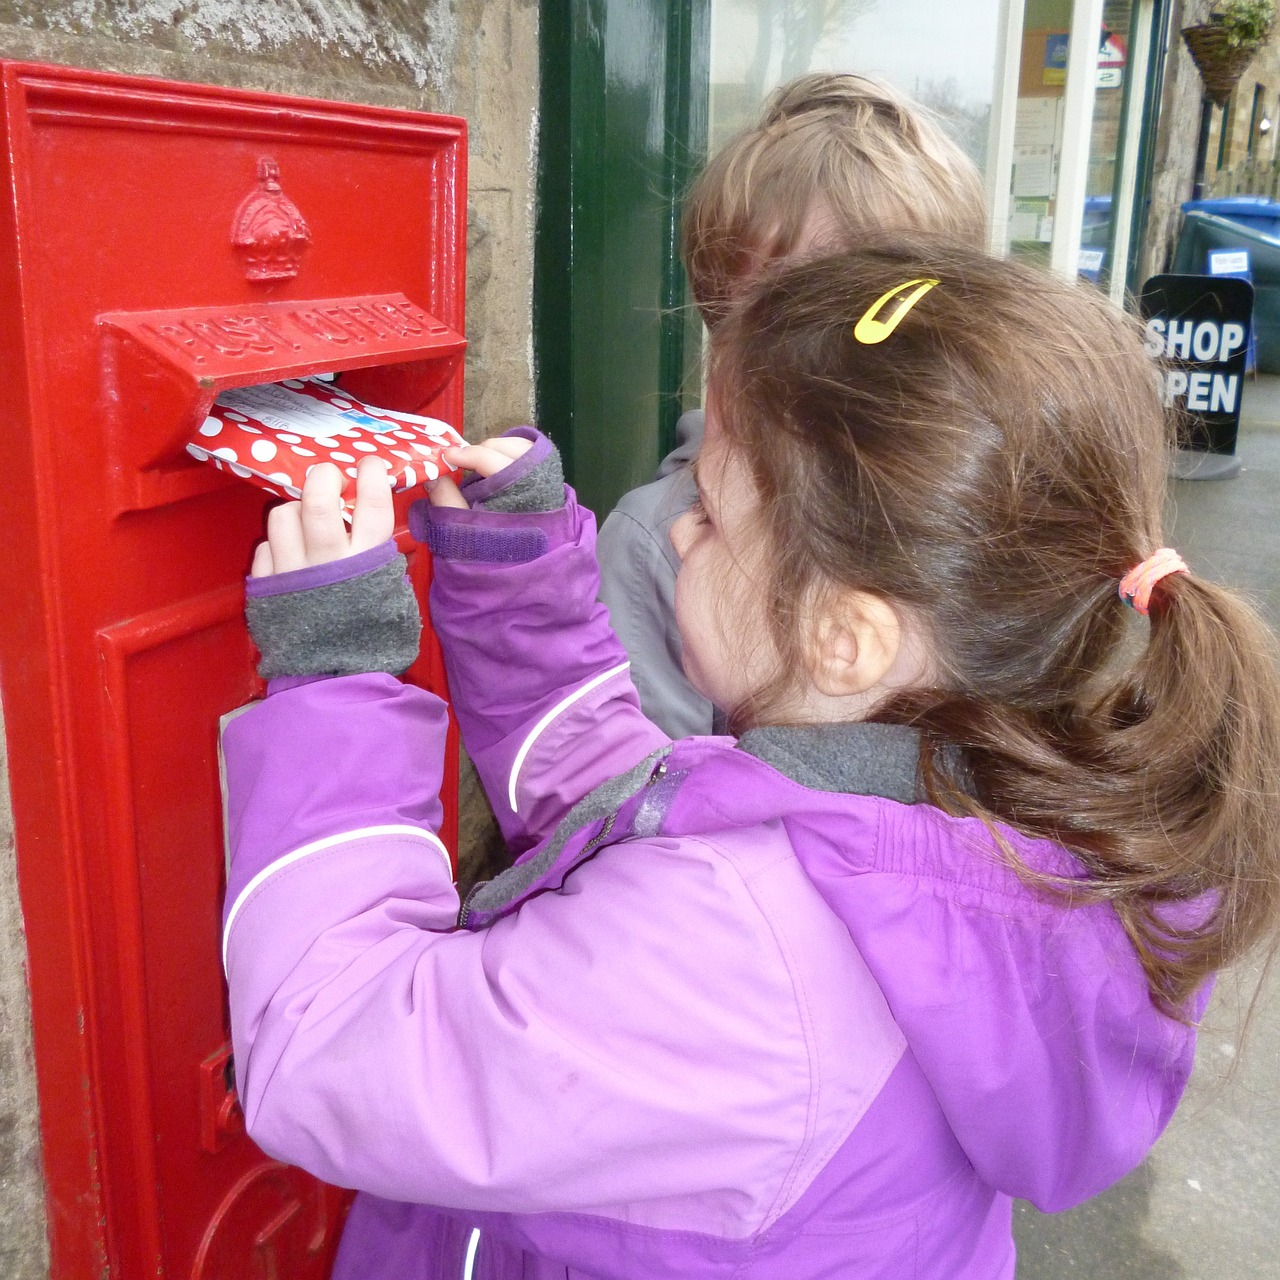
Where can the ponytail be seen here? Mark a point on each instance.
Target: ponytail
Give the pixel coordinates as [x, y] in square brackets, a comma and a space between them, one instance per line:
[1164, 781]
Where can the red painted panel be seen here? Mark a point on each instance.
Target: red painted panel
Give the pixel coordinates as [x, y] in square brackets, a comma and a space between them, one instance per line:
[158, 243]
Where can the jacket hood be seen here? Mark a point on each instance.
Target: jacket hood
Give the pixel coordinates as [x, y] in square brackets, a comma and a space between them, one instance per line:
[689, 429]
[1031, 1019]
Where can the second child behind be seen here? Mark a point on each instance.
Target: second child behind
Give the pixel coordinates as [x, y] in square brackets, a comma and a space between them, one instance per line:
[832, 160]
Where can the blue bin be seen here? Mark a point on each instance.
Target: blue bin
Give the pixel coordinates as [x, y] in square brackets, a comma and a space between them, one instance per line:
[1094, 234]
[1097, 220]
[1202, 232]
[1259, 212]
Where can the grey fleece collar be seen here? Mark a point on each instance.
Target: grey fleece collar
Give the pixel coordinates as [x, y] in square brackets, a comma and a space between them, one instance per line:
[861, 759]
[856, 759]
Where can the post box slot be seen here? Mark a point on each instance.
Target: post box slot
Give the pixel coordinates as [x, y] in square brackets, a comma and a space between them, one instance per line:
[162, 370]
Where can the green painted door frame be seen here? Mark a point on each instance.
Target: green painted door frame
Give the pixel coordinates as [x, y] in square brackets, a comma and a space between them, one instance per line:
[1163, 31]
[623, 128]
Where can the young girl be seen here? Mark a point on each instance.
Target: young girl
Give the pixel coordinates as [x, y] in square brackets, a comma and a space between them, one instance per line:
[933, 932]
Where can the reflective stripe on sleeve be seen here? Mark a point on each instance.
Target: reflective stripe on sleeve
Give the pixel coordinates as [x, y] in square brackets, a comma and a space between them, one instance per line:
[562, 706]
[472, 1245]
[315, 847]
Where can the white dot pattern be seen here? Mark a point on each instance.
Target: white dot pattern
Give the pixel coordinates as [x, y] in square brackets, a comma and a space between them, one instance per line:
[249, 432]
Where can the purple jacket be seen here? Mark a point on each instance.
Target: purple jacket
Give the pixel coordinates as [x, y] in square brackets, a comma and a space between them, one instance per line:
[742, 1010]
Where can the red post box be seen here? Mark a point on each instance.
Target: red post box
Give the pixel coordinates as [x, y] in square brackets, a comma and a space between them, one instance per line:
[162, 242]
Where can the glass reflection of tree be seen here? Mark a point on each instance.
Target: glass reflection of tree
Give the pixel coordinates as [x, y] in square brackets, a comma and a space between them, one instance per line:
[802, 25]
[967, 122]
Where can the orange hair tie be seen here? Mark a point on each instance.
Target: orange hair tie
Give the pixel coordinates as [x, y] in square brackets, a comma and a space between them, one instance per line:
[1136, 585]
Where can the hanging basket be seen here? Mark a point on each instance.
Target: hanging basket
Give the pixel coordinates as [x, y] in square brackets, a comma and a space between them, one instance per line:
[1221, 65]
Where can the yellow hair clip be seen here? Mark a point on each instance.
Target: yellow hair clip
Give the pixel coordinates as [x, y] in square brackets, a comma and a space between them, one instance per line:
[871, 329]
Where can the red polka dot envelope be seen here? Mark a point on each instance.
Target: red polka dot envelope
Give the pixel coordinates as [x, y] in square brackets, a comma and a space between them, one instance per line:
[273, 434]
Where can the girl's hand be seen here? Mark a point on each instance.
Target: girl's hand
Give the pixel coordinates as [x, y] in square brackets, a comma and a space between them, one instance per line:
[486, 459]
[312, 531]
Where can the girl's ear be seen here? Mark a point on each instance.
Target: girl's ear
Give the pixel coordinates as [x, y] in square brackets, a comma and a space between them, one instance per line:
[857, 641]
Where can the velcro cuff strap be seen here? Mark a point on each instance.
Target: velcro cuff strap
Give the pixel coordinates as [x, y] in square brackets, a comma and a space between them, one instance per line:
[481, 543]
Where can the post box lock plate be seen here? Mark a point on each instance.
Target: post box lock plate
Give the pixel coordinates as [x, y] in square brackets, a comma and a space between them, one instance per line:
[221, 1119]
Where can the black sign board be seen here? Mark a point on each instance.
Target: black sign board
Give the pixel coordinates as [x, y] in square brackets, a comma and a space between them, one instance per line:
[1198, 327]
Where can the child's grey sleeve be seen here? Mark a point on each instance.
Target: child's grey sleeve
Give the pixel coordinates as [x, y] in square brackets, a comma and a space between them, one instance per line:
[347, 617]
[638, 569]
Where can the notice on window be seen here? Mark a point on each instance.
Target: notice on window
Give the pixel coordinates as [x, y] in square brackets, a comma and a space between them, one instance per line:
[1026, 220]
[1112, 54]
[1036, 123]
[1089, 262]
[1032, 172]
[1056, 47]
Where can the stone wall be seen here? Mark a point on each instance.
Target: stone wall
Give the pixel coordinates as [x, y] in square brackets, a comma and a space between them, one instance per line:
[23, 1249]
[1175, 153]
[1245, 161]
[475, 58]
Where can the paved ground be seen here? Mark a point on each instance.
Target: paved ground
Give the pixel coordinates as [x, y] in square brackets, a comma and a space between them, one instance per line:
[1206, 1204]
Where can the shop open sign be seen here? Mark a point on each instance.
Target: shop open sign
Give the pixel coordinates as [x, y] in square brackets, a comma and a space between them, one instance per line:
[1198, 328]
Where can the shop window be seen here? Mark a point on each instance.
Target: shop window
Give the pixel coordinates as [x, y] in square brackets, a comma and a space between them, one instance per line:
[1255, 118]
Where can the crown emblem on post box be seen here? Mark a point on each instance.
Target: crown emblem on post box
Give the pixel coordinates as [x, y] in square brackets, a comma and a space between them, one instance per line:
[269, 231]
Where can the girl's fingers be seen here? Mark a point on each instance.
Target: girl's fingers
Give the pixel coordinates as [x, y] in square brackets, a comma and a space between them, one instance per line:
[374, 518]
[284, 535]
[313, 530]
[513, 446]
[487, 459]
[444, 493]
[477, 458]
[262, 566]
[324, 532]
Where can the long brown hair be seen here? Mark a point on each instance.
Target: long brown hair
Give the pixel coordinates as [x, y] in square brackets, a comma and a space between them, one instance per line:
[994, 468]
[843, 149]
